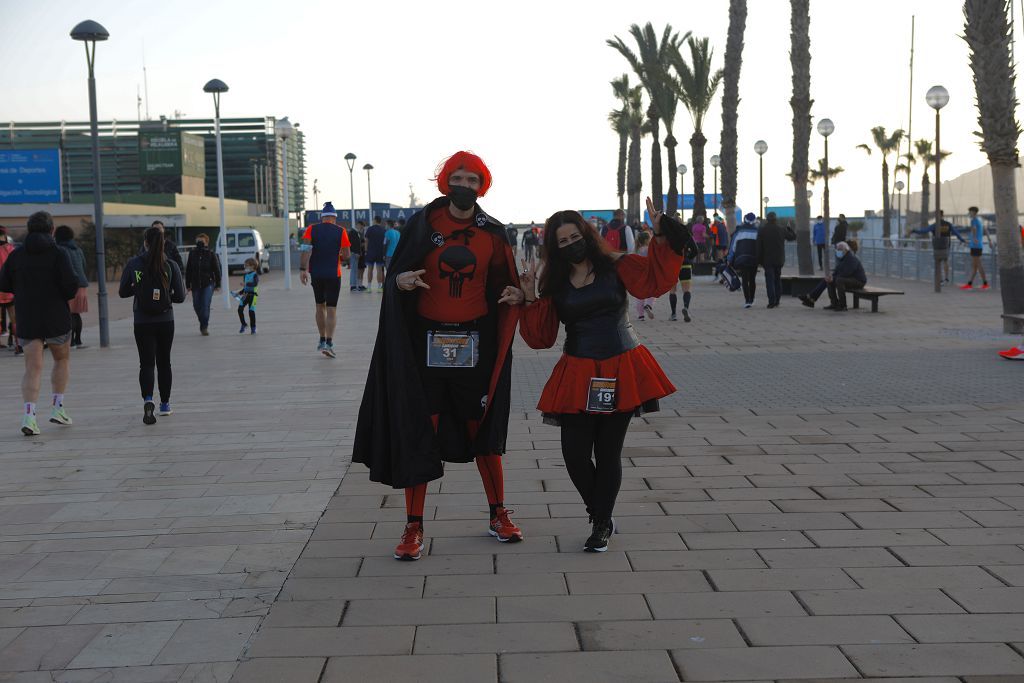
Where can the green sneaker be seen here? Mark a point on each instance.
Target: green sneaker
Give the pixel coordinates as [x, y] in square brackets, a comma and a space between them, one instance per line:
[60, 416]
[29, 426]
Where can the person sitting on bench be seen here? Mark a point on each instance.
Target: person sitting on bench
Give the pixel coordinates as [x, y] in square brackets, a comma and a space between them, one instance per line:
[848, 274]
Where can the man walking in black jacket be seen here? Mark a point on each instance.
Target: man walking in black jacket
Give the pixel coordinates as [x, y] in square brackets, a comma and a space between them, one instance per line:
[202, 276]
[771, 255]
[40, 276]
[848, 274]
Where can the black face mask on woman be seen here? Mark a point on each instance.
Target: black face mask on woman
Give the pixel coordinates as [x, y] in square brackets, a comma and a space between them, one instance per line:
[463, 198]
[575, 252]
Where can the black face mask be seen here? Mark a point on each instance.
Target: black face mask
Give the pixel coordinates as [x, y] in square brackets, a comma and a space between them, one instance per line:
[576, 252]
[462, 198]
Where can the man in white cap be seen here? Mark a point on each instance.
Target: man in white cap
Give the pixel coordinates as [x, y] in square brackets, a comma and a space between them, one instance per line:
[329, 246]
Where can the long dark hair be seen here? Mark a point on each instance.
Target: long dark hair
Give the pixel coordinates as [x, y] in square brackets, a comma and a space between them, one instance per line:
[555, 275]
[156, 262]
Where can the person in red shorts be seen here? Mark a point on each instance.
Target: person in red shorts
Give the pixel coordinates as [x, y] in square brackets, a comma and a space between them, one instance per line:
[439, 384]
[605, 377]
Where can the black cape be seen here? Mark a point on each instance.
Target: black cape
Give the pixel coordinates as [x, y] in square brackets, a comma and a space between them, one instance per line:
[395, 437]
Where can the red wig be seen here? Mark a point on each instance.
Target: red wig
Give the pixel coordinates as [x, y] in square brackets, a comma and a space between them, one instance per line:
[466, 161]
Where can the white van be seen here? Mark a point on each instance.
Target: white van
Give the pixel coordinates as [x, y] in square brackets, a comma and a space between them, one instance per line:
[245, 243]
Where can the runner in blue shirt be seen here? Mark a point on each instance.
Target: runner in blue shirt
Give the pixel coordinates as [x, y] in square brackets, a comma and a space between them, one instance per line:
[329, 247]
[820, 241]
[391, 237]
[978, 233]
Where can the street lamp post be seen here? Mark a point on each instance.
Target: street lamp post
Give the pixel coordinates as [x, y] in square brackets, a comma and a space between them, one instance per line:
[826, 128]
[715, 162]
[216, 87]
[937, 98]
[681, 169]
[90, 33]
[899, 208]
[350, 159]
[284, 129]
[369, 196]
[760, 147]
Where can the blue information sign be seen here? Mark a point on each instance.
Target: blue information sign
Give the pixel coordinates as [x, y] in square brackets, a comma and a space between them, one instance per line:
[30, 176]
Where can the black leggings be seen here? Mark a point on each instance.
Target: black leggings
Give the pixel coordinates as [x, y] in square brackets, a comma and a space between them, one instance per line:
[76, 328]
[154, 342]
[748, 276]
[592, 450]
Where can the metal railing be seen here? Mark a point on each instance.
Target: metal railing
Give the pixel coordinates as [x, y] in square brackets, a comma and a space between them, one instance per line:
[912, 259]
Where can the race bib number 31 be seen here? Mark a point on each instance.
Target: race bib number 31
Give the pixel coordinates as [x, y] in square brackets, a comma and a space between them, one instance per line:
[601, 398]
[453, 349]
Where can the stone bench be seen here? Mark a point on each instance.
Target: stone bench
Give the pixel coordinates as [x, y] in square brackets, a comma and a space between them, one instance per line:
[797, 285]
[873, 294]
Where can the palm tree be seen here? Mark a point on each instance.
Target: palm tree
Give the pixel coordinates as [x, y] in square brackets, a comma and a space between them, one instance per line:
[634, 115]
[619, 122]
[886, 144]
[924, 152]
[820, 172]
[650, 63]
[989, 37]
[730, 107]
[800, 59]
[696, 85]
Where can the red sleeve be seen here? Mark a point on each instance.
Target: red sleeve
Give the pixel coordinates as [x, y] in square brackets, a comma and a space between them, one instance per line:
[651, 275]
[538, 323]
[499, 267]
[309, 233]
[345, 242]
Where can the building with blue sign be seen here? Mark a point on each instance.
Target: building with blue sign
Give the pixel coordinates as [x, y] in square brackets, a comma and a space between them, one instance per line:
[31, 175]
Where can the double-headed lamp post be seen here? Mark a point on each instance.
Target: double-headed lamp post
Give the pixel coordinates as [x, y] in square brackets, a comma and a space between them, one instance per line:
[90, 33]
[937, 98]
[284, 130]
[826, 128]
[369, 196]
[681, 170]
[350, 159]
[760, 147]
[716, 161]
[216, 87]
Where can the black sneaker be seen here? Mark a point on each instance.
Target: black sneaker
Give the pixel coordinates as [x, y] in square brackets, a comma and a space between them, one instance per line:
[148, 408]
[598, 541]
[686, 315]
[807, 301]
[830, 307]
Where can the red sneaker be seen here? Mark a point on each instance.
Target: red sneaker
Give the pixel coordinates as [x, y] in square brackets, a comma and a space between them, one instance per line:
[986, 286]
[503, 528]
[967, 285]
[1013, 354]
[411, 546]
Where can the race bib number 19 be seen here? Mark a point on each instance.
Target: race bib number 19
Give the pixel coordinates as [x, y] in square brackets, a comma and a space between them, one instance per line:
[601, 398]
[452, 349]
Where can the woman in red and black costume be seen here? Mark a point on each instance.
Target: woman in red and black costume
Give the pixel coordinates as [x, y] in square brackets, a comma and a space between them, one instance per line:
[605, 376]
[439, 384]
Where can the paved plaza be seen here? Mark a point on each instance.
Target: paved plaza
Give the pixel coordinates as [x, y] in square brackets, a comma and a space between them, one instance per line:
[828, 497]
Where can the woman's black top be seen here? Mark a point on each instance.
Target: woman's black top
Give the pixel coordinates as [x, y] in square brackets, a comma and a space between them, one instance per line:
[595, 318]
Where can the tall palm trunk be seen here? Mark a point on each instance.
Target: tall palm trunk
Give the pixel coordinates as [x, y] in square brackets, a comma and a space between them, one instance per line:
[800, 59]
[926, 190]
[886, 226]
[621, 175]
[697, 143]
[634, 182]
[656, 172]
[673, 189]
[988, 34]
[730, 107]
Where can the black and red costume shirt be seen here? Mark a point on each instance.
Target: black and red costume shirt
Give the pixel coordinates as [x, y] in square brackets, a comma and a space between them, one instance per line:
[460, 270]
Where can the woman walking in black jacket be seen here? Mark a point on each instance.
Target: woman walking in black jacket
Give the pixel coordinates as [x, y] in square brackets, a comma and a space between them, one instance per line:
[155, 282]
[65, 237]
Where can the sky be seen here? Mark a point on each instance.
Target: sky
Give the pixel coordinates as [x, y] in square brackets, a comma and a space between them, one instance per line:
[403, 84]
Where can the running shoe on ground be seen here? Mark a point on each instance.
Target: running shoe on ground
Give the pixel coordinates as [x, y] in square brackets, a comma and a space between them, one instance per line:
[986, 286]
[411, 545]
[203, 331]
[649, 311]
[806, 301]
[60, 416]
[329, 350]
[1013, 354]
[29, 426]
[18, 350]
[147, 413]
[321, 346]
[598, 541]
[503, 528]
[640, 318]
[967, 285]
[252, 331]
[748, 305]
[165, 409]
[243, 328]
[686, 316]
[673, 317]
[80, 345]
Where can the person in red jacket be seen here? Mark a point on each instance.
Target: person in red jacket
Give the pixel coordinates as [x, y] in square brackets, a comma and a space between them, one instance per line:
[605, 376]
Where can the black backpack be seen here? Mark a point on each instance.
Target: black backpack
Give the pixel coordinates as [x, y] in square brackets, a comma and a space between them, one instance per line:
[151, 297]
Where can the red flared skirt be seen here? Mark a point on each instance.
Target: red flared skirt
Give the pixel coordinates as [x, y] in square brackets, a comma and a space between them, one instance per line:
[640, 380]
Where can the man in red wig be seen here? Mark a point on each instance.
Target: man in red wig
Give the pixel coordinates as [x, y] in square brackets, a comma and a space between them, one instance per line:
[439, 384]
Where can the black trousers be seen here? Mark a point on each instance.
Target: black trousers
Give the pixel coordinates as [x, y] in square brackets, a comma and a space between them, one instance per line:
[773, 283]
[821, 256]
[154, 342]
[837, 289]
[748, 276]
[592, 450]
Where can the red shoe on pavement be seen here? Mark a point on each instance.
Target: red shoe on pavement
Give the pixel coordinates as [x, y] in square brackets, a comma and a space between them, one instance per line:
[985, 286]
[967, 285]
[504, 529]
[1013, 354]
[411, 546]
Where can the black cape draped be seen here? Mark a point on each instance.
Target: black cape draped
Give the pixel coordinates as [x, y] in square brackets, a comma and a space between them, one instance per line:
[395, 437]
